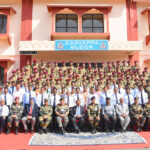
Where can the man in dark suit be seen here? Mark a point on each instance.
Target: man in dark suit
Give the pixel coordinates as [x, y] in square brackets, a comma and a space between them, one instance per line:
[78, 116]
[30, 114]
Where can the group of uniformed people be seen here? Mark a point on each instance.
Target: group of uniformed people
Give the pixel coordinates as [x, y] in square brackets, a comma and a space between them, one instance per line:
[116, 92]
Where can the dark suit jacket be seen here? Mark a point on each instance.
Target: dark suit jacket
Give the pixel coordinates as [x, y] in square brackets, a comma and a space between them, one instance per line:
[82, 112]
[35, 110]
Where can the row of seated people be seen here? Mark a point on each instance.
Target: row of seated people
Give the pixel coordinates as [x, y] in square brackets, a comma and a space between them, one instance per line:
[62, 114]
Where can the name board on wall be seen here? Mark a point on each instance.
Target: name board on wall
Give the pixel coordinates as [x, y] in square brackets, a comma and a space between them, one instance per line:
[73, 45]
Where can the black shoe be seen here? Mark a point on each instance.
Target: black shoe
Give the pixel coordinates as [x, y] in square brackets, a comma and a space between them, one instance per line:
[62, 130]
[77, 131]
[93, 131]
[113, 131]
[32, 131]
[41, 131]
[45, 131]
[124, 130]
[26, 131]
[107, 130]
[16, 131]
[8, 131]
[138, 130]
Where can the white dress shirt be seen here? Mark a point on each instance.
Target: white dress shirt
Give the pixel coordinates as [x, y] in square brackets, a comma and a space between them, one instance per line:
[103, 98]
[71, 100]
[7, 98]
[115, 99]
[81, 98]
[4, 111]
[128, 99]
[19, 94]
[143, 96]
[27, 95]
[40, 99]
[54, 100]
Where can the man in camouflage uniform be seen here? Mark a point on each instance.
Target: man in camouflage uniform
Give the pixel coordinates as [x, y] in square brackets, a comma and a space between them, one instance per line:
[15, 115]
[147, 113]
[147, 87]
[93, 115]
[137, 111]
[62, 111]
[45, 116]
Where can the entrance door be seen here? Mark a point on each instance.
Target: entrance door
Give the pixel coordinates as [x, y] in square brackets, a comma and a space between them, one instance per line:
[2, 75]
[3, 72]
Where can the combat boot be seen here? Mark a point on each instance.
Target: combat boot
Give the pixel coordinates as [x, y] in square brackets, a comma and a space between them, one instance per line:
[8, 130]
[16, 131]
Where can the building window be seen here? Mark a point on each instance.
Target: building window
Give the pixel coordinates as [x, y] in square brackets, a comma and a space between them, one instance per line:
[93, 23]
[3, 24]
[66, 23]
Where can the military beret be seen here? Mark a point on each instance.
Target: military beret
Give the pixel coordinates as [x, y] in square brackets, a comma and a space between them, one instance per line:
[18, 78]
[45, 99]
[92, 98]
[124, 61]
[63, 62]
[102, 62]
[35, 68]
[52, 68]
[89, 68]
[145, 67]
[128, 77]
[128, 61]
[108, 62]
[95, 71]
[14, 71]
[135, 61]
[16, 98]
[34, 60]
[77, 75]
[89, 63]
[60, 75]
[68, 80]
[118, 61]
[135, 79]
[29, 78]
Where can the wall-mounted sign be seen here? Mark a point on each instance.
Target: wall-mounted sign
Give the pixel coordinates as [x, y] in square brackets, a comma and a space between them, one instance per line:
[81, 45]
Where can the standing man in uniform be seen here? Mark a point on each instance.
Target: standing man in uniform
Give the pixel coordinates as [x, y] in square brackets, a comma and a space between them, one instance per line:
[93, 115]
[62, 111]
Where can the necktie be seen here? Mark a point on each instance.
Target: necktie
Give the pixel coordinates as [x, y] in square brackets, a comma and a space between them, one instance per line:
[77, 96]
[119, 90]
[41, 99]
[68, 100]
[129, 100]
[5, 100]
[116, 99]
[142, 100]
[30, 112]
[25, 89]
[54, 101]
[12, 89]
[106, 94]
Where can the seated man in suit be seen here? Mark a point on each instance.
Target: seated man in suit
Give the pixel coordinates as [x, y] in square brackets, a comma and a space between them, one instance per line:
[122, 111]
[78, 114]
[30, 114]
